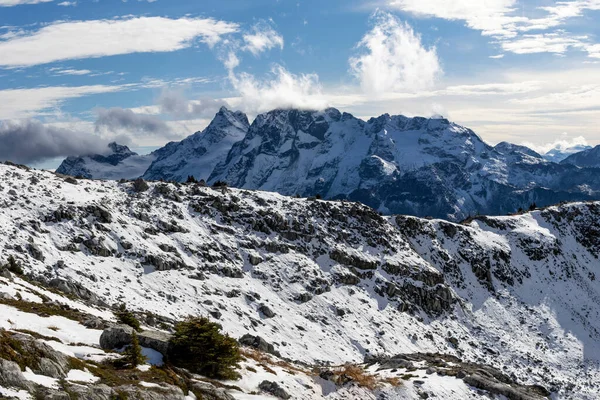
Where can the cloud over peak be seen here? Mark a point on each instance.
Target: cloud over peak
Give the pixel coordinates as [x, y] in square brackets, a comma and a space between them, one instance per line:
[391, 58]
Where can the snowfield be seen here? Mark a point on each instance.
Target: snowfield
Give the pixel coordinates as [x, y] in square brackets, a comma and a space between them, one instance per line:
[326, 283]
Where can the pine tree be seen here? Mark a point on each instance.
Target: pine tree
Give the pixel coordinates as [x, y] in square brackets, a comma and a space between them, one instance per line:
[199, 346]
[133, 353]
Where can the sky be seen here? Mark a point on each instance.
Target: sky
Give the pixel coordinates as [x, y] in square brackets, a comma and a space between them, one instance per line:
[75, 75]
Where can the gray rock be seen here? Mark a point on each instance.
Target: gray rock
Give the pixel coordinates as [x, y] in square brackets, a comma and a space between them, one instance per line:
[165, 392]
[258, 343]
[94, 392]
[35, 252]
[118, 336]
[210, 392]
[4, 273]
[11, 376]
[274, 389]
[266, 311]
[6, 296]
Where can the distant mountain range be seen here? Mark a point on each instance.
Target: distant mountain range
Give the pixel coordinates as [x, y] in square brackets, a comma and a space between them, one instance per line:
[395, 164]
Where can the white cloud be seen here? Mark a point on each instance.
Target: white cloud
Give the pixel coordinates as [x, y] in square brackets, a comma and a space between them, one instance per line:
[98, 38]
[10, 3]
[556, 42]
[262, 38]
[25, 103]
[67, 4]
[563, 143]
[392, 58]
[70, 71]
[279, 89]
[506, 21]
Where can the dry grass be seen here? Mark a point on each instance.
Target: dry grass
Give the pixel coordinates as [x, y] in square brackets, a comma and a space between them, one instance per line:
[359, 376]
[266, 361]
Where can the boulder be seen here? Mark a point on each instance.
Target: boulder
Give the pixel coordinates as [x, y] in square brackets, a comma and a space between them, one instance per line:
[258, 343]
[266, 311]
[11, 376]
[119, 336]
[274, 389]
[208, 391]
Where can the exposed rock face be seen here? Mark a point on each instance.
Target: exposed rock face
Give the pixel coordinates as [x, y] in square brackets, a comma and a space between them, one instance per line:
[198, 154]
[118, 336]
[11, 376]
[478, 290]
[258, 343]
[274, 389]
[210, 392]
[398, 165]
[478, 376]
[118, 163]
[587, 158]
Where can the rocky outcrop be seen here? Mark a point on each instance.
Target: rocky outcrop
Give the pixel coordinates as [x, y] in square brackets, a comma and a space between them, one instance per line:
[118, 336]
[274, 389]
[258, 343]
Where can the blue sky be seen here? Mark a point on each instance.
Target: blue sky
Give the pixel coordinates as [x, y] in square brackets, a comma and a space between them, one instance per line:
[76, 74]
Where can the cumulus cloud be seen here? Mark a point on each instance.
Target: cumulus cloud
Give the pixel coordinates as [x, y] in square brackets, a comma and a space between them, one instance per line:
[262, 38]
[30, 141]
[561, 144]
[392, 58]
[124, 121]
[11, 3]
[279, 89]
[98, 38]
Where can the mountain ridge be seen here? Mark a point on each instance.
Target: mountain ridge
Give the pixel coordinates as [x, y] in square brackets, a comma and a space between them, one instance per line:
[327, 282]
[395, 164]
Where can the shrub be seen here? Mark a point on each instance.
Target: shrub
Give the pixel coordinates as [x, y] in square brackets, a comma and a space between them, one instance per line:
[219, 184]
[13, 265]
[140, 185]
[127, 318]
[199, 346]
[133, 353]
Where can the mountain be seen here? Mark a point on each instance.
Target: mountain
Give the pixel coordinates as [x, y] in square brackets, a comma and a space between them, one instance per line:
[395, 164]
[496, 307]
[119, 163]
[558, 154]
[589, 158]
[198, 154]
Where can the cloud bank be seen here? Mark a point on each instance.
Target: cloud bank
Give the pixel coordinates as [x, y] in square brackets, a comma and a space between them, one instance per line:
[30, 141]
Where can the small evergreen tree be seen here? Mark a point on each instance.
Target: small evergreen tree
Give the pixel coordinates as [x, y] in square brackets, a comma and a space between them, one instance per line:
[133, 354]
[191, 179]
[533, 206]
[126, 317]
[199, 346]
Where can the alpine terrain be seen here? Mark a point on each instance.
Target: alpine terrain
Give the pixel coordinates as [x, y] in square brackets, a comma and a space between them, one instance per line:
[327, 299]
[394, 164]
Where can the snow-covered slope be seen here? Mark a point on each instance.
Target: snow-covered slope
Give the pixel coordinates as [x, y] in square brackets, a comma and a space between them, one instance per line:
[559, 153]
[198, 154]
[118, 163]
[328, 282]
[395, 164]
[589, 158]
